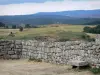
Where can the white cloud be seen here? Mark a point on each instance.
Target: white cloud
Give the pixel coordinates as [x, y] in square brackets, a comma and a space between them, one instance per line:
[31, 8]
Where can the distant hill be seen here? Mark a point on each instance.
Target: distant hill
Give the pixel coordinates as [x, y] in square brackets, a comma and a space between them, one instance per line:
[65, 17]
[76, 13]
[93, 23]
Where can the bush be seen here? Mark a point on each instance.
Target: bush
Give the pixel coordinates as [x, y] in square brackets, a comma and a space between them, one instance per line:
[28, 26]
[67, 36]
[35, 26]
[1, 37]
[2, 24]
[63, 39]
[95, 30]
[87, 37]
[34, 59]
[14, 26]
[20, 28]
[95, 70]
[91, 39]
[11, 34]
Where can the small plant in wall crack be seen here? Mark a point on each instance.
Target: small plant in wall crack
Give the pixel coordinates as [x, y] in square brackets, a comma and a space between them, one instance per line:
[95, 69]
[35, 59]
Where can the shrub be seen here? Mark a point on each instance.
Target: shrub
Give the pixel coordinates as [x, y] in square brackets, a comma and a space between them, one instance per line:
[1, 37]
[14, 26]
[95, 30]
[87, 37]
[34, 59]
[11, 34]
[6, 27]
[35, 26]
[63, 39]
[66, 36]
[21, 28]
[2, 24]
[91, 39]
[28, 26]
[95, 70]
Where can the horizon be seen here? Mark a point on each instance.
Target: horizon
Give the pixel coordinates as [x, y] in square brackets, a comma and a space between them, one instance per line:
[28, 7]
[49, 12]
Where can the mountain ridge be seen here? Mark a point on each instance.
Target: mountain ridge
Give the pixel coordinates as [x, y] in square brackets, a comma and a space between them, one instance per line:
[63, 17]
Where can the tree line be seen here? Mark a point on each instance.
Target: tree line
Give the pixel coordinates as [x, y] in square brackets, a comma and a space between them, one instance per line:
[2, 25]
[95, 29]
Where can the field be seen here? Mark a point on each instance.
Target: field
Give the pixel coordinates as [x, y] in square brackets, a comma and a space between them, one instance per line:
[54, 31]
[24, 67]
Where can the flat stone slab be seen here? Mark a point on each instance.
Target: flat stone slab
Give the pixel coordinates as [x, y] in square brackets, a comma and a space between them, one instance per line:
[78, 63]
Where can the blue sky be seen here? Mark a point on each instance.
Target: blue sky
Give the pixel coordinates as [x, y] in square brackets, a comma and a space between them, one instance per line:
[24, 7]
[24, 1]
[2, 2]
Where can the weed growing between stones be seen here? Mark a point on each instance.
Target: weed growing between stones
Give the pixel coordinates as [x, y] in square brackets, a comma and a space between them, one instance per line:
[95, 70]
[34, 59]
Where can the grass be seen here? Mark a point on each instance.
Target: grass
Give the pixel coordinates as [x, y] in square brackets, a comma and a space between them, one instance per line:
[71, 35]
[35, 60]
[95, 70]
[61, 31]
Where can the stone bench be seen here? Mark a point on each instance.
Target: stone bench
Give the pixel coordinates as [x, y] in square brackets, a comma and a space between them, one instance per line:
[78, 64]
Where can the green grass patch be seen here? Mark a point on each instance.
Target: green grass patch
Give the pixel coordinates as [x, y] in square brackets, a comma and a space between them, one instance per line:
[61, 32]
[35, 60]
[95, 70]
[65, 36]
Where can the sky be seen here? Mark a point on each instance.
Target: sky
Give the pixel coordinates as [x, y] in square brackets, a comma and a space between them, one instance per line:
[24, 7]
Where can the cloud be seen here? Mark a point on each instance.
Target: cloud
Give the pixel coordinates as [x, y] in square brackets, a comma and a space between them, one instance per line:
[49, 6]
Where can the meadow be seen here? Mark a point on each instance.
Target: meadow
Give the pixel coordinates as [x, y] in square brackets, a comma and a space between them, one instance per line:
[65, 32]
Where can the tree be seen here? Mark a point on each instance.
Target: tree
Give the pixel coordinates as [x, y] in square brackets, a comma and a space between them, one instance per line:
[86, 29]
[95, 30]
[20, 28]
[14, 27]
[2, 24]
[6, 27]
[27, 26]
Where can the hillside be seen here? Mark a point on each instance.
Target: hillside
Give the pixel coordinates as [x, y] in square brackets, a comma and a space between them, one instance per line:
[65, 17]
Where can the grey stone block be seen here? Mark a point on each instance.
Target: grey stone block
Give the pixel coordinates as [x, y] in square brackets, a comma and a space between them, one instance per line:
[11, 52]
[78, 63]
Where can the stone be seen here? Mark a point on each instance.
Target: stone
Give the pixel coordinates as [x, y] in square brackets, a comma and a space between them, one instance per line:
[56, 52]
[11, 52]
[14, 56]
[78, 63]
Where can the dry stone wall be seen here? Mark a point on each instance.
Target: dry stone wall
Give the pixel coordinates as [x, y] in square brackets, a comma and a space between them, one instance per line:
[53, 52]
[10, 49]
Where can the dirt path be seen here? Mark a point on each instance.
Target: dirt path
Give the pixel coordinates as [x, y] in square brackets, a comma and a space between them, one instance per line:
[23, 67]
